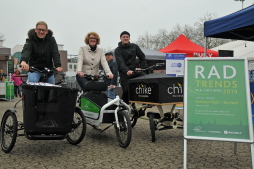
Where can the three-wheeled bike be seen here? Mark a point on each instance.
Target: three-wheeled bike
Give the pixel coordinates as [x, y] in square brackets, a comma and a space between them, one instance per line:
[49, 113]
[156, 89]
[98, 109]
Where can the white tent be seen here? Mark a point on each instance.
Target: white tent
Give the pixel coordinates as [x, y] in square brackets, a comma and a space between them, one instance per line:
[149, 53]
[241, 49]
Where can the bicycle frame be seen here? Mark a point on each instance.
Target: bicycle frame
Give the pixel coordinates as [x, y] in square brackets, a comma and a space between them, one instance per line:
[118, 102]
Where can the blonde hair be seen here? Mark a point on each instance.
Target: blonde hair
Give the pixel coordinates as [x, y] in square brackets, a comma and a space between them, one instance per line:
[96, 36]
[42, 23]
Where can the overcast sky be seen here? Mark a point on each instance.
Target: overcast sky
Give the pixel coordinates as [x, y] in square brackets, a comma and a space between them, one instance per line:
[71, 20]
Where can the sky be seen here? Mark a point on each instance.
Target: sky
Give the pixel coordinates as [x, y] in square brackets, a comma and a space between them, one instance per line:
[71, 20]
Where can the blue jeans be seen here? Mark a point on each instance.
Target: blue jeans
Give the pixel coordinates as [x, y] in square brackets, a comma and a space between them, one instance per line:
[111, 93]
[17, 90]
[35, 76]
[82, 82]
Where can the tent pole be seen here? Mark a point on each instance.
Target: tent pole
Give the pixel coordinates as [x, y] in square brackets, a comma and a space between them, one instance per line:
[205, 46]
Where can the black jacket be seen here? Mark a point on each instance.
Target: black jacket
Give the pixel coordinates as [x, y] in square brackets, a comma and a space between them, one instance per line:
[40, 52]
[113, 67]
[126, 57]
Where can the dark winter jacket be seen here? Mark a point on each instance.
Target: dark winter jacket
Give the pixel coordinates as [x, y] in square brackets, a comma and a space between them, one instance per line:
[40, 52]
[126, 57]
[113, 67]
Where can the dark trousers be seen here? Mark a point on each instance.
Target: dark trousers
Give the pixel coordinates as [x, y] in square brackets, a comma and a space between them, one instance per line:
[82, 82]
[124, 78]
[17, 90]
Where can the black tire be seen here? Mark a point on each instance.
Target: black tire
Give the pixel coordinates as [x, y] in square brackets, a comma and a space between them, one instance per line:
[152, 127]
[124, 133]
[78, 131]
[9, 128]
[133, 115]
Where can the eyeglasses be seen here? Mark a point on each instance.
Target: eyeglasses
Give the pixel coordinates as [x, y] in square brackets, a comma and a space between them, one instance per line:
[93, 38]
[43, 30]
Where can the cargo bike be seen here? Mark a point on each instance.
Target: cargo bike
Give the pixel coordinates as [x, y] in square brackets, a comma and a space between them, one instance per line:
[158, 90]
[49, 113]
[100, 109]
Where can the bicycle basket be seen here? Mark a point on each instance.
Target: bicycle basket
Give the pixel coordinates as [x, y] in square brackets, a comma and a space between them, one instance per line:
[48, 109]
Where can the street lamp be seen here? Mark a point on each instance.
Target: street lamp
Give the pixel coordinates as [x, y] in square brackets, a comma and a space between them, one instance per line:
[242, 2]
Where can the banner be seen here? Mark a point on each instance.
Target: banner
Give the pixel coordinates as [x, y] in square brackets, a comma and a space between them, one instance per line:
[9, 84]
[11, 66]
[218, 99]
[175, 63]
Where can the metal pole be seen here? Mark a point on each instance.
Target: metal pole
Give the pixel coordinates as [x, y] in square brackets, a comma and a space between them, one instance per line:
[235, 145]
[252, 154]
[185, 153]
[205, 45]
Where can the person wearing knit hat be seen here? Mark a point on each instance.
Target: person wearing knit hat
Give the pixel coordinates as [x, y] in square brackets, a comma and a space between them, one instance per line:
[125, 55]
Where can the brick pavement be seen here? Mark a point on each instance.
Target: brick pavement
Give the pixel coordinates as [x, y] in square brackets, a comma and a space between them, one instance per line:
[101, 150]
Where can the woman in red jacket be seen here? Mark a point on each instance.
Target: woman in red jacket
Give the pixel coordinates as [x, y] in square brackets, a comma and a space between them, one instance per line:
[17, 82]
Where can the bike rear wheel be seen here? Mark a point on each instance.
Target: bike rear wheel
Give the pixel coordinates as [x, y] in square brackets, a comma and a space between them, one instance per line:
[78, 131]
[9, 127]
[124, 131]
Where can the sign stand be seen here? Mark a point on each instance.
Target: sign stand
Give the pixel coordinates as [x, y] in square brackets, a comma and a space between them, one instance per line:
[217, 102]
[185, 153]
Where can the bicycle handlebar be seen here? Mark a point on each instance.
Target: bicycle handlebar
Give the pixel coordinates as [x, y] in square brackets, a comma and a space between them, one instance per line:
[45, 71]
[94, 77]
[142, 70]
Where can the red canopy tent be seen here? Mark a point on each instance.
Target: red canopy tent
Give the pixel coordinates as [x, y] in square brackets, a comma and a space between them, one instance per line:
[184, 45]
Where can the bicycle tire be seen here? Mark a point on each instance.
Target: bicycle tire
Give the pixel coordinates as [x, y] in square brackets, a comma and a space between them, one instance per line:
[152, 127]
[78, 128]
[9, 127]
[125, 132]
[133, 115]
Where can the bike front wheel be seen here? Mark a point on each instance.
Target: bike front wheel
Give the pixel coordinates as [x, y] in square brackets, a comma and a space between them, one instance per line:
[133, 115]
[152, 127]
[124, 131]
[78, 131]
[9, 127]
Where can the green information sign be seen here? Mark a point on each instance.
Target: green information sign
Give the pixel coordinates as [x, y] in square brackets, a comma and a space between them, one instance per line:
[9, 84]
[11, 66]
[91, 110]
[216, 102]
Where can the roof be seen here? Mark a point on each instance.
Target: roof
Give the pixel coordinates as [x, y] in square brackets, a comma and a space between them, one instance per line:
[184, 45]
[238, 25]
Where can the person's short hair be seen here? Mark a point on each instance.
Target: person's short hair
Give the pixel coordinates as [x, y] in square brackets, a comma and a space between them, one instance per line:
[94, 34]
[125, 33]
[42, 23]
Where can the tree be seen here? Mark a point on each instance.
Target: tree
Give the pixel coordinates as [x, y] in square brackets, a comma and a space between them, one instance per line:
[107, 49]
[195, 33]
[199, 38]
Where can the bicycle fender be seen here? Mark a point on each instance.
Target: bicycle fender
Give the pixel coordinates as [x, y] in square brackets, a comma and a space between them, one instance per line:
[10, 109]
